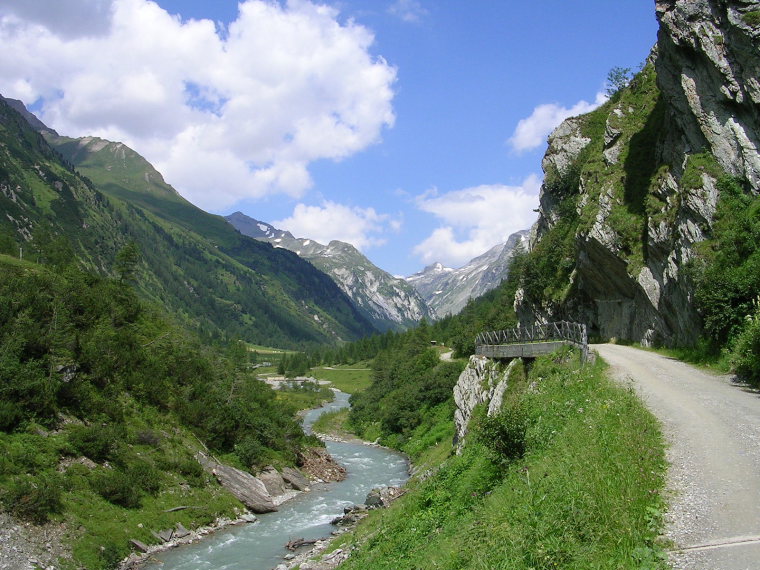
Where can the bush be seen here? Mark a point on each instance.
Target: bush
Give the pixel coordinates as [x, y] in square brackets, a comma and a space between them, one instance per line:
[503, 434]
[145, 476]
[148, 437]
[752, 18]
[745, 356]
[99, 443]
[35, 498]
[116, 487]
[250, 451]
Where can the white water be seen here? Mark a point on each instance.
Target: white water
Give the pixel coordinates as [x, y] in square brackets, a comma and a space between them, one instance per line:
[261, 545]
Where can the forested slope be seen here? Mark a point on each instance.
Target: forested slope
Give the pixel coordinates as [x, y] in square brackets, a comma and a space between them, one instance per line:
[104, 401]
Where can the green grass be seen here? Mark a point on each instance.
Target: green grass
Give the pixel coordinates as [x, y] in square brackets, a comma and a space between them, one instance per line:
[16, 262]
[305, 398]
[105, 529]
[585, 494]
[752, 18]
[699, 355]
[696, 166]
[334, 423]
[346, 378]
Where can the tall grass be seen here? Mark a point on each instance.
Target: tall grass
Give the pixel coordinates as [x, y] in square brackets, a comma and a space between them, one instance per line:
[585, 492]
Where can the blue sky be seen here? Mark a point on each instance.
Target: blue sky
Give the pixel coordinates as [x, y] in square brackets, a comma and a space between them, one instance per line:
[411, 128]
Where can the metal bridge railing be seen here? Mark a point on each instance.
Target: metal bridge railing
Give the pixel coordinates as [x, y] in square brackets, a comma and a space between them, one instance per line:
[563, 331]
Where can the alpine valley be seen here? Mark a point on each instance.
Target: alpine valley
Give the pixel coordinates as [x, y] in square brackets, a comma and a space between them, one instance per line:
[123, 381]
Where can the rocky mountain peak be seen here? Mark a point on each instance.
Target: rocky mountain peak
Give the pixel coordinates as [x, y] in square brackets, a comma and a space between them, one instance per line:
[447, 290]
[31, 118]
[387, 301]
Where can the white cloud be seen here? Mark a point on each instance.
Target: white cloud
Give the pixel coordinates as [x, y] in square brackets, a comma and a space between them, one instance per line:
[408, 10]
[532, 131]
[68, 18]
[223, 114]
[475, 219]
[361, 227]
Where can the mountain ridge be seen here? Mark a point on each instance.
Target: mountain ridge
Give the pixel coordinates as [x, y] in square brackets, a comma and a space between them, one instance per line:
[447, 290]
[87, 199]
[387, 301]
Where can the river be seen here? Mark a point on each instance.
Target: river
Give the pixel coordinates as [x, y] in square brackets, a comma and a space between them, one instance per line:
[261, 545]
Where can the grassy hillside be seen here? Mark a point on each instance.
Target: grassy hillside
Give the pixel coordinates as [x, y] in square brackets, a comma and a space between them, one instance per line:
[581, 490]
[567, 475]
[214, 279]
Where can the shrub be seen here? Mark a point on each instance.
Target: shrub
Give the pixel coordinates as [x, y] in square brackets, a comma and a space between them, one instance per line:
[145, 476]
[99, 443]
[745, 356]
[752, 18]
[116, 487]
[503, 434]
[35, 498]
[250, 451]
[148, 437]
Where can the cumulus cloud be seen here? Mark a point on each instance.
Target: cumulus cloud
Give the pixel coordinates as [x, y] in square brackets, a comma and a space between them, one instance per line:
[473, 220]
[224, 114]
[408, 10]
[361, 227]
[68, 18]
[532, 131]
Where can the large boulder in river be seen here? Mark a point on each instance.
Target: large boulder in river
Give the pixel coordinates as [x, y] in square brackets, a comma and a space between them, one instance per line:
[295, 479]
[245, 487]
[273, 481]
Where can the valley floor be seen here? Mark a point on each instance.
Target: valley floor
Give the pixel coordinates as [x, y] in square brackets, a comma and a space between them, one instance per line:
[712, 426]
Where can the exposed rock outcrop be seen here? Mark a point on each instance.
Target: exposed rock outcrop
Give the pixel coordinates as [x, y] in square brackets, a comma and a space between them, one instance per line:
[245, 487]
[709, 72]
[483, 381]
[637, 180]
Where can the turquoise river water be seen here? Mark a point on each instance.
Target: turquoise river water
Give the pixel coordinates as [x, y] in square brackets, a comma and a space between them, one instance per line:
[261, 545]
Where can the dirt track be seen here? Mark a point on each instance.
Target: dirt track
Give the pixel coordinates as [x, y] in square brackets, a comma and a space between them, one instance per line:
[713, 430]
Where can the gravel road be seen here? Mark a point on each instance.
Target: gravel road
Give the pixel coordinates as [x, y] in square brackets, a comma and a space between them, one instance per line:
[713, 431]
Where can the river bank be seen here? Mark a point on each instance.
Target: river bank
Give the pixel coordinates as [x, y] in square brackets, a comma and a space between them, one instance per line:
[308, 515]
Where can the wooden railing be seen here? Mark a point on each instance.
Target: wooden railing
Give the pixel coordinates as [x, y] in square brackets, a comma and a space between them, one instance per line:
[548, 333]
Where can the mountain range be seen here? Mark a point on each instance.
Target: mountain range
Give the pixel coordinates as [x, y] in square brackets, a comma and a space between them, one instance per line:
[85, 200]
[447, 290]
[388, 302]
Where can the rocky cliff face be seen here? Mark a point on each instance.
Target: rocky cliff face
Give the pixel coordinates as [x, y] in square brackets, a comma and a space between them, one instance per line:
[709, 72]
[631, 188]
[447, 290]
[483, 381]
[388, 302]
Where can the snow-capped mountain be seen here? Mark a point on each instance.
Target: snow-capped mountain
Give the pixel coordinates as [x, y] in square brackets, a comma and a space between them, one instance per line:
[389, 302]
[447, 290]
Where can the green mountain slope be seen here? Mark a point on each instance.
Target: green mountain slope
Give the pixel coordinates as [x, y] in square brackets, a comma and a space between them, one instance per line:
[103, 405]
[193, 263]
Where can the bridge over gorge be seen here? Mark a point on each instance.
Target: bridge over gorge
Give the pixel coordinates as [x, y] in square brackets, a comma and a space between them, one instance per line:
[529, 342]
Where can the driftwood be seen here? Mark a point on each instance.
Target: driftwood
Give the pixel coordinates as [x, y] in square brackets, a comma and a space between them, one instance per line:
[298, 543]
